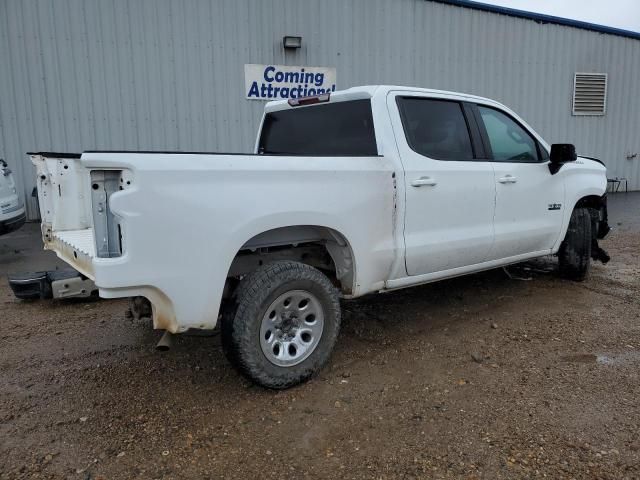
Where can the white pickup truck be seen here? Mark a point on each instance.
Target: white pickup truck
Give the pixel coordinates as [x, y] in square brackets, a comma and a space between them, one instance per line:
[366, 190]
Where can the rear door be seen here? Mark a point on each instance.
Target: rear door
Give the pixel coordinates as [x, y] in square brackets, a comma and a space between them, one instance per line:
[529, 200]
[450, 191]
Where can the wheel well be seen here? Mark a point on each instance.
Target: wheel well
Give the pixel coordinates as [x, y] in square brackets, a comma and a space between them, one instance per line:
[590, 201]
[320, 247]
[594, 204]
[599, 221]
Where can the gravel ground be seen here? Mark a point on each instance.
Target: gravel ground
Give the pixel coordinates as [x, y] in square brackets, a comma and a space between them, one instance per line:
[479, 377]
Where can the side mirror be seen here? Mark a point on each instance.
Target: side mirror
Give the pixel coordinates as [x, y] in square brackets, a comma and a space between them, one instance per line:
[561, 153]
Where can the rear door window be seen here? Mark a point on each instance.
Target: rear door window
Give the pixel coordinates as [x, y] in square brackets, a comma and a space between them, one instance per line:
[332, 129]
[436, 128]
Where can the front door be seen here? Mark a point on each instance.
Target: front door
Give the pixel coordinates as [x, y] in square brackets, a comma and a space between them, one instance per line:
[450, 191]
[529, 200]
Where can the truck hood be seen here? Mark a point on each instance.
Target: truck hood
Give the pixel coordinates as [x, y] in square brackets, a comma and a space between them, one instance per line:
[591, 160]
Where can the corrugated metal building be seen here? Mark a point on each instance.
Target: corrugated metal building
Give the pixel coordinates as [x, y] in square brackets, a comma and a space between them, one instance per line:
[164, 75]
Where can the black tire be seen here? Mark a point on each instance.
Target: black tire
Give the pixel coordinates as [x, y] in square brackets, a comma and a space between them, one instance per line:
[241, 324]
[574, 256]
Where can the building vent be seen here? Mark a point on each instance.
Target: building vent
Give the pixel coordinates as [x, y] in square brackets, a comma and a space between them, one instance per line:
[590, 94]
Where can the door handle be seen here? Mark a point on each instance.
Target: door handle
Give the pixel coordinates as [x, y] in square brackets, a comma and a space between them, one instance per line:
[424, 182]
[508, 179]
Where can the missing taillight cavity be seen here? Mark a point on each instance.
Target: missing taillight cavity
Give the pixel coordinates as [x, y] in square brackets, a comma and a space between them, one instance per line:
[298, 102]
[106, 225]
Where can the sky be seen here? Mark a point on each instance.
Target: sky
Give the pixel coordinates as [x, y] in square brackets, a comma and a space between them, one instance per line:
[623, 14]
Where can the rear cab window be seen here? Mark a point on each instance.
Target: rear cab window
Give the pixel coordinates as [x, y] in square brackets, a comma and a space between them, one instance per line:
[331, 129]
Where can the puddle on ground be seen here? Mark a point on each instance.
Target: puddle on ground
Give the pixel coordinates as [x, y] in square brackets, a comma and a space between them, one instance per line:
[625, 358]
[614, 359]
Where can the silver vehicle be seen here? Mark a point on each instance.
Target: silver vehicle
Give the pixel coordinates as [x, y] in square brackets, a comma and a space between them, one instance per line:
[12, 213]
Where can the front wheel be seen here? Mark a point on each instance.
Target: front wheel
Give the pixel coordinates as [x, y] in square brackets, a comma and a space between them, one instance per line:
[575, 251]
[284, 325]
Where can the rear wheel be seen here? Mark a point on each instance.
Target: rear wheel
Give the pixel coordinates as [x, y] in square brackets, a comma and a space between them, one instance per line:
[575, 251]
[284, 325]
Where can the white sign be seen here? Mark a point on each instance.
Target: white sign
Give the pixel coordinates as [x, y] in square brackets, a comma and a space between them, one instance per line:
[276, 82]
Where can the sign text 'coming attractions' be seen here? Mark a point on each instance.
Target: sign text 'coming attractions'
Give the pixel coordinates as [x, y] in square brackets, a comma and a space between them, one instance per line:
[276, 82]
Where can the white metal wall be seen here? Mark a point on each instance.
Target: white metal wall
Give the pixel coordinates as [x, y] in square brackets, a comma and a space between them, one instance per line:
[162, 75]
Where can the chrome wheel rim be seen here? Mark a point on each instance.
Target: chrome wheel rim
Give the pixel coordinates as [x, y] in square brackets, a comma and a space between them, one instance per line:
[291, 328]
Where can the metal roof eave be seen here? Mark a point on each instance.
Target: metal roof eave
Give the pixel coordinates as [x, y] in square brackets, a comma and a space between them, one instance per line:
[541, 18]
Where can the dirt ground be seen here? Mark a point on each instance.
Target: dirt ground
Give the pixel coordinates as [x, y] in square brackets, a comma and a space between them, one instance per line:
[480, 377]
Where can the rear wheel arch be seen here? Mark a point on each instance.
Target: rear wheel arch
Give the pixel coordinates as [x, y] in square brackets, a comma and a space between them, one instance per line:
[302, 243]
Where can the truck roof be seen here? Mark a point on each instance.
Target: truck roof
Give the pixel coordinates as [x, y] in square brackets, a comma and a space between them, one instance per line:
[369, 91]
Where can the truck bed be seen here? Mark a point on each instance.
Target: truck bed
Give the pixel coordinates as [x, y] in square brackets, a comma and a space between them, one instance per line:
[167, 226]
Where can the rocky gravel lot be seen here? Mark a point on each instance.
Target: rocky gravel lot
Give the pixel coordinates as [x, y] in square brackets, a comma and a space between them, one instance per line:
[488, 376]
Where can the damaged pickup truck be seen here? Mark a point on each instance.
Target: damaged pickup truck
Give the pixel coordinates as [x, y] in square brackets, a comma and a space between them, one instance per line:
[366, 190]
